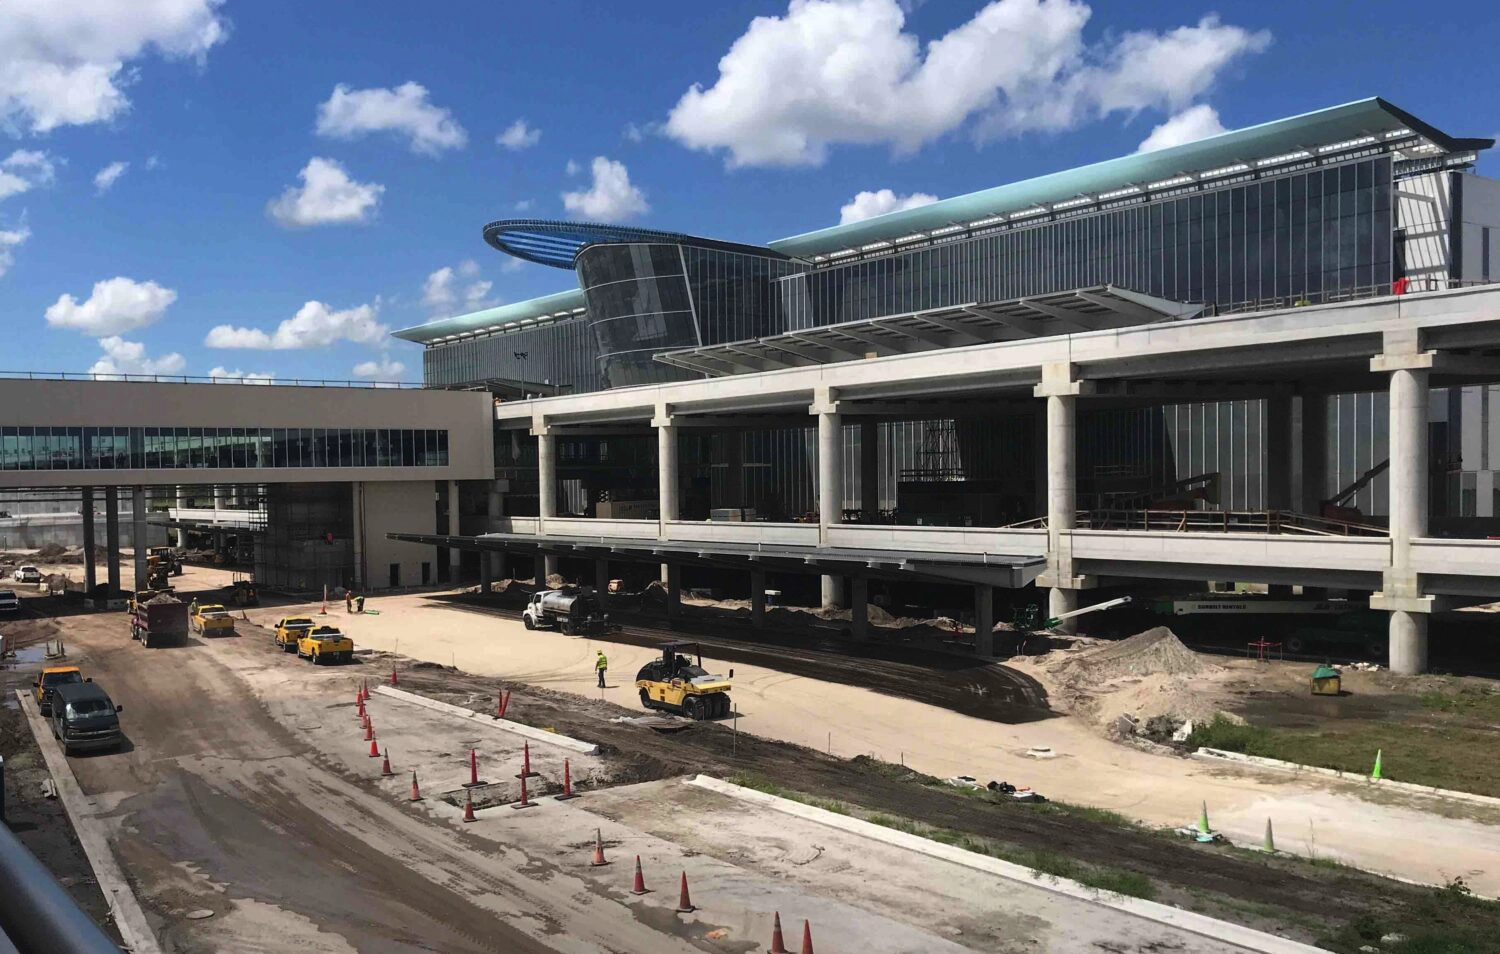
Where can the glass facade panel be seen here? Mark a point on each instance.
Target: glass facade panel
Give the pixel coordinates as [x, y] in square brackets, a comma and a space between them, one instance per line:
[183, 448]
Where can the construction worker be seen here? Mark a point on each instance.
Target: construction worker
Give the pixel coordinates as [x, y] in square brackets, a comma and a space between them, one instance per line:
[601, 665]
[193, 607]
[348, 601]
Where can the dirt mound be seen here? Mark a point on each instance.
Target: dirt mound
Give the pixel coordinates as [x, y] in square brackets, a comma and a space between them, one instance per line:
[1156, 652]
[51, 551]
[556, 582]
[161, 598]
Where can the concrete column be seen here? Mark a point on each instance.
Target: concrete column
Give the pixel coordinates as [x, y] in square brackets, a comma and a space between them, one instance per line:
[666, 466]
[758, 598]
[1061, 388]
[455, 556]
[869, 468]
[1311, 472]
[1280, 472]
[830, 481]
[539, 572]
[859, 608]
[138, 533]
[484, 573]
[546, 461]
[984, 619]
[734, 468]
[549, 567]
[674, 590]
[90, 574]
[1060, 601]
[112, 538]
[601, 578]
[1401, 589]
[357, 502]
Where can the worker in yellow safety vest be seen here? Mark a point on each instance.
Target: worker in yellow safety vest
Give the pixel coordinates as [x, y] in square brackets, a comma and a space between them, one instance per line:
[601, 664]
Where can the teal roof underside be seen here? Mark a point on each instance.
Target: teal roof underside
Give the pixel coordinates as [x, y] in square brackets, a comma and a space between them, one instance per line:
[1367, 117]
[535, 311]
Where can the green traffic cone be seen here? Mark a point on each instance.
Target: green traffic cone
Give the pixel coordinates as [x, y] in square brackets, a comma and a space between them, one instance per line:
[1204, 834]
[1270, 843]
[1375, 775]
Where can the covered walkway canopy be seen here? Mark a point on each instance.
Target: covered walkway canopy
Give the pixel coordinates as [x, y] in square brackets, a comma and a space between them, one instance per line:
[1038, 316]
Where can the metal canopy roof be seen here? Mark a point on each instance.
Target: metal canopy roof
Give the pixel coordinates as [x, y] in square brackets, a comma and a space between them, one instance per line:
[1365, 124]
[1007, 570]
[1037, 316]
[557, 244]
[516, 316]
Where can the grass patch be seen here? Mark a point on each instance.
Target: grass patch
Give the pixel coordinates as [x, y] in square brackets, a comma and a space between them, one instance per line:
[1447, 920]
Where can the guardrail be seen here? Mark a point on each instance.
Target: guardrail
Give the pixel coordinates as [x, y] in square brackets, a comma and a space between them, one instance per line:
[36, 914]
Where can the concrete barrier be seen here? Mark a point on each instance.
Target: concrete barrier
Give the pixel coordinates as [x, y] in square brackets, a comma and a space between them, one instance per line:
[1296, 768]
[484, 718]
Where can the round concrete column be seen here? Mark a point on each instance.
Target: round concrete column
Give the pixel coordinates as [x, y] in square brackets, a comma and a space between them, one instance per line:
[1062, 495]
[546, 461]
[830, 493]
[1060, 601]
[666, 467]
[1408, 643]
[1409, 472]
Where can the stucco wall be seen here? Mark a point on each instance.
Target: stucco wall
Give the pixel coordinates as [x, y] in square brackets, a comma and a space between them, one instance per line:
[383, 507]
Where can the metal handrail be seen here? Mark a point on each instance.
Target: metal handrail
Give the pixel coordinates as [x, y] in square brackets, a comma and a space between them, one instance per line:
[204, 379]
[36, 914]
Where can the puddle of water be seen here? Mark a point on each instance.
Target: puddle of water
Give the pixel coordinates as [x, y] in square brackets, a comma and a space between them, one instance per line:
[25, 657]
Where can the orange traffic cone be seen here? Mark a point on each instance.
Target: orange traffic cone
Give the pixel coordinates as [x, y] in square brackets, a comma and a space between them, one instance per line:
[369, 729]
[806, 937]
[567, 791]
[526, 771]
[385, 767]
[778, 946]
[684, 902]
[359, 708]
[525, 801]
[598, 861]
[640, 881]
[469, 806]
[416, 793]
[374, 751]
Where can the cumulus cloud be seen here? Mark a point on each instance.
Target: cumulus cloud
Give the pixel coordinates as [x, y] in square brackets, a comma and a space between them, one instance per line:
[65, 64]
[327, 196]
[117, 305]
[611, 198]
[832, 72]
[315, 325]
[572, 168]
[24, 170]
[404, 111]
[10, 239]
[384, 370]
[867, 205]
[129, 357]
[519, 136]
[1190, 125]
[442, 295]
[108, 176]
[222, 375]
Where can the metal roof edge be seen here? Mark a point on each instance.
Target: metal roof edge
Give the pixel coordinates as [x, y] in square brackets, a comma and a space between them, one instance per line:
[542, 307]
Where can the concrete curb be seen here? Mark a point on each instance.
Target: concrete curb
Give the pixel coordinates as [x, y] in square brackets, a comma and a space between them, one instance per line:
[130, 919]
[534, 734]
[1247, 938]
[1255, 761]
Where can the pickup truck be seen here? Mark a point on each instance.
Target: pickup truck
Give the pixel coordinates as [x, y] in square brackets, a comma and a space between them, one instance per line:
[212, 619]
[84, 717]
[290, 629]
[48, 681]
[9, 601]
[325, 644]
[26, 573]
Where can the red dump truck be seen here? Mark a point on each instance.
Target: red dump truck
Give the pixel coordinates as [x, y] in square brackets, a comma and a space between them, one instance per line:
[160, 621]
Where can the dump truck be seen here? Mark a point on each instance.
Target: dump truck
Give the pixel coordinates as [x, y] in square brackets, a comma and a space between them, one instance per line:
[675, 683]
[212, 619]
[159, 621]
[323, 644]
[570, 611]
[290, 629]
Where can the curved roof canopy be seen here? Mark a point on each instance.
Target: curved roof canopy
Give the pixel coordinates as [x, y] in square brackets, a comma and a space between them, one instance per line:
[558, 243]
[512, 317]
[1336, 129]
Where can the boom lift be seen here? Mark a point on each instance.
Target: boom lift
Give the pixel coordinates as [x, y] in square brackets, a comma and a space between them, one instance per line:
[1029, 618]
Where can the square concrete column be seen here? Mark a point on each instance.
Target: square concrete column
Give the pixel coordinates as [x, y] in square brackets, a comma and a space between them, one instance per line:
[1281, 474]
[539, 571]
[550, 565]
[357, 505]
[674, 590]
[859, 608]
[984, 619]
[90, 574]
[112, 538]
[758, 598]
[1401, 590]
[869, 468]
[830, 481]
[455, 556]
[666, 467]
[1060, 387]
[138, 533]
[601, 578]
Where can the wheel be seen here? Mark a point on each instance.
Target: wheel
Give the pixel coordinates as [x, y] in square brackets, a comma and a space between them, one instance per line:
[646, 700]
[566, 627]
[692, 707]
[526, 621]
[724, 706]
[317, 659]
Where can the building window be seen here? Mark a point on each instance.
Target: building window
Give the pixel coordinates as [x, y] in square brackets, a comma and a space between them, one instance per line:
[185, 448]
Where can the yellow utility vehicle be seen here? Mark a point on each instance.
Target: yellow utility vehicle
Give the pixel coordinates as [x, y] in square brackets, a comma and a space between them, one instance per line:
[289, 629]
[47, 681]
[674, 683]
[212, 619]
[325, 644]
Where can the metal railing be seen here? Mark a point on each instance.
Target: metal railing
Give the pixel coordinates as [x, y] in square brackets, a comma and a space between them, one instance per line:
[204, 379]
[1212, 521]
[36, 914]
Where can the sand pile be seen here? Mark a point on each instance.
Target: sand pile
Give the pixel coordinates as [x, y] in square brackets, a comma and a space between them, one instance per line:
[1156, 652]
[51, 551]
[161, 598]
[1149, 674]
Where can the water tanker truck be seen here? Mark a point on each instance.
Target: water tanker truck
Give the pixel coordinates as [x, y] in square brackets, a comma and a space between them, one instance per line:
[571, 611]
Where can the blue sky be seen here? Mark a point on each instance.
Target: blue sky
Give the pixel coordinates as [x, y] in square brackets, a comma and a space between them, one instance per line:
[218, 108]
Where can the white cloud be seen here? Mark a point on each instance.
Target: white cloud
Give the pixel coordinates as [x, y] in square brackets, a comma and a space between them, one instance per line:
[405, 111]
[129, 357]
[611, 198]
[518, 136]
[525, 205]
[24, 170]
[314, 326]
[327, 197]
[572, 168]
[117, 305]
[1190, 125]
[867, 205]
[67, 63]
[443, 298]
[222, 375]
[109, 175]
[833, 72]
[384, 370]
[10, 239]
[510, 265]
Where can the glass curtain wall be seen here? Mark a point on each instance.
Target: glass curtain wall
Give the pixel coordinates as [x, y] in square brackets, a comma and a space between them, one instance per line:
[227, 448]
[639, 303]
